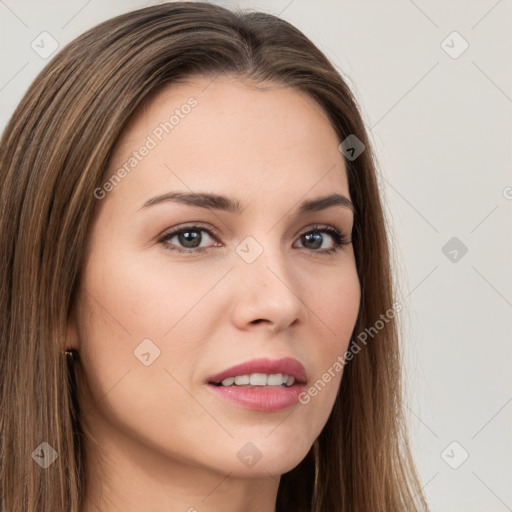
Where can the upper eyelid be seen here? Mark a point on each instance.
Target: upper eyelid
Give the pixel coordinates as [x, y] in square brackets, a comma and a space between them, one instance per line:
[193, 225]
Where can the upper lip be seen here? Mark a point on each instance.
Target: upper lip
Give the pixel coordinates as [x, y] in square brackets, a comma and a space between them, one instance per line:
[286, 366]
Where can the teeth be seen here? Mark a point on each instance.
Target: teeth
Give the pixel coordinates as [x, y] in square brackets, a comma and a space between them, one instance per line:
[260, 379]
[290, 381]
[241, 380]
[273, 380]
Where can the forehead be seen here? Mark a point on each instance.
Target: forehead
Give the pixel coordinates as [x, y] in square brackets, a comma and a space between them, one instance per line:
[230, 133]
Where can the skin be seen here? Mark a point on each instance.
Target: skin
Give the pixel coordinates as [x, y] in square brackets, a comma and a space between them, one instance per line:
[157, 439]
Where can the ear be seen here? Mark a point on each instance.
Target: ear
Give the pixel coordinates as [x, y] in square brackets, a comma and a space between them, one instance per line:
[72, 332]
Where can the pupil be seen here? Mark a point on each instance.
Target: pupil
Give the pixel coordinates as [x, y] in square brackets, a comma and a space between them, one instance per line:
[317, 239]
[193, 236]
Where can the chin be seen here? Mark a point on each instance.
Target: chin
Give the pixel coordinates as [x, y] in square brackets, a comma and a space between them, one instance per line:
[274, 455]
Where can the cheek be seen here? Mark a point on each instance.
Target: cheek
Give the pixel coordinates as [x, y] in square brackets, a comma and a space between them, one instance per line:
[127, 309]
[334, 310]
[134, 306]
[335, 307]
[141, 297]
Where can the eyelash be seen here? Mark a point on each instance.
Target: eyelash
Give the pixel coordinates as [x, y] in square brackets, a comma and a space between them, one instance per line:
[339, 238]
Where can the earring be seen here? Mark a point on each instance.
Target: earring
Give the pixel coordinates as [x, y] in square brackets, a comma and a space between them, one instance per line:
[69, 352]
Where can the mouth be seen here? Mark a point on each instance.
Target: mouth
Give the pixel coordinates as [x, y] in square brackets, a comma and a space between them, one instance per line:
[266, 372]
[274, 380]
[261, 384]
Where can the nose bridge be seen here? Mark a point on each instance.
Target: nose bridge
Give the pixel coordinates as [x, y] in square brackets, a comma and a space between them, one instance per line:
[262, 256]
[269, 288]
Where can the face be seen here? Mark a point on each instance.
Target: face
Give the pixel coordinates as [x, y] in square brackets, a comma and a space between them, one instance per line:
[173, 292]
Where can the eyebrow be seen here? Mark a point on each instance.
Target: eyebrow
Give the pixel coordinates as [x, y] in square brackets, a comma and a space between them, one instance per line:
[219, 202]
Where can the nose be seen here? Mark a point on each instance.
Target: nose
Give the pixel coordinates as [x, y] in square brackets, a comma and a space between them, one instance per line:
[268, 293]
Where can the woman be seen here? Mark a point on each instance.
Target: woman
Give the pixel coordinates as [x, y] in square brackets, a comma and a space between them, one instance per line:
[190, 218]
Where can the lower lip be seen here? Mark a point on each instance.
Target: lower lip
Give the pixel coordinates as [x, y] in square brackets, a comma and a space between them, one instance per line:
[260, 398]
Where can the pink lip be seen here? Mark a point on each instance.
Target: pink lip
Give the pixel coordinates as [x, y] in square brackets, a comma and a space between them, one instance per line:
[260, 399]
[266, 399]
[286, 366]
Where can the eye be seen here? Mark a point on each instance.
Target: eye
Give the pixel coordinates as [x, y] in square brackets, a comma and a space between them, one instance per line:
[315, 237]
[189, 238]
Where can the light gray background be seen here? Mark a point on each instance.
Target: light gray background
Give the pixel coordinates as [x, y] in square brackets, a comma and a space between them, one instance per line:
[441, 127]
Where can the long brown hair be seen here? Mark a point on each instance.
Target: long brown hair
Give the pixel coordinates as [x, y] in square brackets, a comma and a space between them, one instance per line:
[54, 152]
